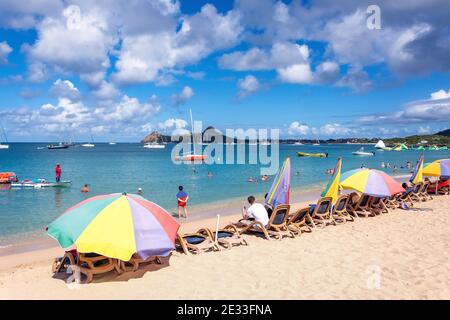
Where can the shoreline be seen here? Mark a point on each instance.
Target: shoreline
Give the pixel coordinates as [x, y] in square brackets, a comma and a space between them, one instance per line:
[201, 213]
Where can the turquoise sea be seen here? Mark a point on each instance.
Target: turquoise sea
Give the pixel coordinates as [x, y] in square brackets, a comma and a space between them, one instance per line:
[126, 167]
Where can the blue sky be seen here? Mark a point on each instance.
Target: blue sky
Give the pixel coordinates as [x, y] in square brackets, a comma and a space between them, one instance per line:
[310, 68]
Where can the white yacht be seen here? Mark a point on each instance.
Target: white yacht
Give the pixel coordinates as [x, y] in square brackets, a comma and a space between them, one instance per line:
[154, 145]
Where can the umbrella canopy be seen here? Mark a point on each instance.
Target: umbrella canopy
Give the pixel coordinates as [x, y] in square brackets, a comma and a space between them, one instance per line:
[417, 175]
[280, 191]
[438, 168]
[332, 189]
[371, 182]
[116, 226]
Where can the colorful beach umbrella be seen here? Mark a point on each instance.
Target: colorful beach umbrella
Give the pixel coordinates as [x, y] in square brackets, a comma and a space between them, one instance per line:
[332, 189]
[280, 191]
[417, 175]
[371, 182]
[438, 168]
[116, 226]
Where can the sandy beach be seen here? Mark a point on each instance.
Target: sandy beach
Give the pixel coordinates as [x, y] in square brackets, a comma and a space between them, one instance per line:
[398, 255]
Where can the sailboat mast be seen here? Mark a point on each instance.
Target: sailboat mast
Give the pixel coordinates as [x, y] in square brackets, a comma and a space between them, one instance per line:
[192, 129]
[4, 134]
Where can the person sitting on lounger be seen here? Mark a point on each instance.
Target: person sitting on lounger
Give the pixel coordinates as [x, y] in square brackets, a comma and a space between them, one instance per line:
[256, 211]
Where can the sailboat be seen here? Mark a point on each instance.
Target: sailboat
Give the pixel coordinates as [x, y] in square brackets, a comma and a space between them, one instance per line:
[317, 143]
[89, 145]
[4, 146]
[154, 145]
[193, 156]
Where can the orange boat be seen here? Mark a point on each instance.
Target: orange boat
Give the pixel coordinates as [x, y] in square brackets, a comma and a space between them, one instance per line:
[193, 157]
[7, 177]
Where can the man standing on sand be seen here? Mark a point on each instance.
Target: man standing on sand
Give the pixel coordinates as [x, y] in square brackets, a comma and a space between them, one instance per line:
[182, 198]
[58, 172]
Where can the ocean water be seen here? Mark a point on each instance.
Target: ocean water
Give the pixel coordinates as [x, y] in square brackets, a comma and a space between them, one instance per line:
[24, 213]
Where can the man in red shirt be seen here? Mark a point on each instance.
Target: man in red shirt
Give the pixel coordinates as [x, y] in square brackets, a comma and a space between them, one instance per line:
[58, 172]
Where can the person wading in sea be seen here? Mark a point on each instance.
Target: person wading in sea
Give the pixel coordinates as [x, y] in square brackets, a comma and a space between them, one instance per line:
[58, 172]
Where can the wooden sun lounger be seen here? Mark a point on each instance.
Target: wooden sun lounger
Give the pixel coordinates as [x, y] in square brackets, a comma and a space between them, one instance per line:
[362, 207]
[378, 205]
[352, 202]
[93, 264]
[321, 214]
[300, 222]
[63, 263]
[416, 193]
[227, 237]
[424, 191]
[195, 243]
[136, 261]
[276, 228]
[339, 211]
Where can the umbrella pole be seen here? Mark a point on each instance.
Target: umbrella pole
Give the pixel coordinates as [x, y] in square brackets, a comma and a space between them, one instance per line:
[217, 229]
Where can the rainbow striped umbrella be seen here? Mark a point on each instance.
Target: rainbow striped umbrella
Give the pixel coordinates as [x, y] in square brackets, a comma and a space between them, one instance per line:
[371, 182]
[116, 226]
[438, 168]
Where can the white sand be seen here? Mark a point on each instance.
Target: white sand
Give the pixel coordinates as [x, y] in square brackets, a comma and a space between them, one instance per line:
[406, 251]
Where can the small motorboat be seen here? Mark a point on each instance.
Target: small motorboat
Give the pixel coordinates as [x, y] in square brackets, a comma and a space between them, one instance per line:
[361, 152]
[317, 155]
[40, 183]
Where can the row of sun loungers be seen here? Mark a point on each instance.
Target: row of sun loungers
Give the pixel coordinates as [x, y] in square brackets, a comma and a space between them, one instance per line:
[282, 223]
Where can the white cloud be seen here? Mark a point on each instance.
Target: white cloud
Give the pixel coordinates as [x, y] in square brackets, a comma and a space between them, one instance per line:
[298, 128]
[280, 55]
[424, 130]
[435, 109]
[172, 124]
[65, 89]
[142, 57]
[106, 91]
[248, 86]
[186, 94]
[296, 73]
[5, 50]
[76, 42]
[441, 94]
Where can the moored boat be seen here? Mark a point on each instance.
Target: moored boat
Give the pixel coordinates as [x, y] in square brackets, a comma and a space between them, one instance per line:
[361, 152]
[317, 155]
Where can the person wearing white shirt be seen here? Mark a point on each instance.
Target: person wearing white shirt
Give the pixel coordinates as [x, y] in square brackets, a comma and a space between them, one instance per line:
[256, 211]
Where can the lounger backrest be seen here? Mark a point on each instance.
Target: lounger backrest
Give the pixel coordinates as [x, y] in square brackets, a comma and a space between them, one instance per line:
[364, 201]
[323, 206]
[299, 215]
[417, 187]
[376, 201]
[341, 203]
[279, 215]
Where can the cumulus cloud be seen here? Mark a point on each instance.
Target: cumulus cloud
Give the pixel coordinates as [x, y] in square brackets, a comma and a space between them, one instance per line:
[435, 109]
[65, 89]
[329, 130]
[143, 56]
[68, 114]
[172, 124]
[186, 94]
[248, 86]
[296, 128]
[5, 50]
[76, 42]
